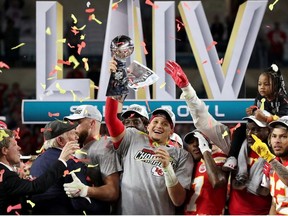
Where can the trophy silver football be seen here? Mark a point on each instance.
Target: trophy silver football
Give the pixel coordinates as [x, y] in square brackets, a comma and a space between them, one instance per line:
[121, 48]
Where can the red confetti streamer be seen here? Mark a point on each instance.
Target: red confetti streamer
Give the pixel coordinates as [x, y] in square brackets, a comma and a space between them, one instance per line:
[66, 172]
[70, 46]
[144, 47]
[211, 45]
[204, 62]
[148, 107]
[1, 174]
[220, 61]
[234, 128]
[148, 2]
[59, 61]
[53, 72]
[80, 47]
[44, 129]
[115, 6]
[238, 71]
[16, 133]
[75, 31]
[10, 208]
[4, 65]
[90, 10]
[186, 5]
[53, 114]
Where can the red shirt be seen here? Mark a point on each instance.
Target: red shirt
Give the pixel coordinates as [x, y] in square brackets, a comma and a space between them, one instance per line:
[242, 202]
[204, 199]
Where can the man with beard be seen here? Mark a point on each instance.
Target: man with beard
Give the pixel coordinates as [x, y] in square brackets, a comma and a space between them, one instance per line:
[278, 140]
[99, 151]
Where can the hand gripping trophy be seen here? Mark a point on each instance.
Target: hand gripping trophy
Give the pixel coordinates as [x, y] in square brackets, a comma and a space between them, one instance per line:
[121, 48]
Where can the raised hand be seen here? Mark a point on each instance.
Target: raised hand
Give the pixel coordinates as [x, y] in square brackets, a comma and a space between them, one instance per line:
[261, 149]
[176, 72]
[202, 143]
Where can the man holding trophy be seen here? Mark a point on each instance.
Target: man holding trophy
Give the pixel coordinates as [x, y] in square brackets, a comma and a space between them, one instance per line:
[156, 175]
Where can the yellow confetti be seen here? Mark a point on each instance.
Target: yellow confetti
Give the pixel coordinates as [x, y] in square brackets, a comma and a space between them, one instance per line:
[40, 150]
[116, 3]
[86, 65]
[58, 68]
[18, 46]
[3, 134]
[79, 29]
[162, 85]
[80, 152]
[82, 37]
[74, 95]
[50, 78]
[63, 40]
[48, 31]
[84, 213]
[271, 6]
[62, 91]
[224, 134]
[91, 165]
[31, 203]
[83, 99]
[43, 86]
[74, 18]
[262, 103]
[74, 61]
[76, 170]
[96, 20]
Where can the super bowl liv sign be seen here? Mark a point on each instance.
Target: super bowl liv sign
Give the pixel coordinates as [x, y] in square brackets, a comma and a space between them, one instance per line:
[224, 82]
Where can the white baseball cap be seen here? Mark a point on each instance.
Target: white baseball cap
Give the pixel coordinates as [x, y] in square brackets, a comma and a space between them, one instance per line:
[85, 111]
[135, 108]
[281, 121]
[167, 112]
[256, 121]
[176, 138]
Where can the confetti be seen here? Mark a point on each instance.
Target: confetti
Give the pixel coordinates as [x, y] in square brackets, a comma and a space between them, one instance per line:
[186, 5]
[63, 40]
[179, 24]
[74, 95]
[74, 18]
[74, 31]
[271, 6]
[92, 17]
[204, 62]
[115, 5]
[58, 68]
[91, 165]
[147, 104]
[80, 47]
[54, 71]
[48, 31]
[144, 47]
[18, 46]
[211, 45]
[79, 29]
[53, 114]
[220, 61]
[224, 134]
[83, 99]
[16, 133]
[84, 213]
[80, 152]
[174, 38]
[148, 2]
[31, 203]
[4, 65]
[66, 172]
[73, 60]
[82, 37]
[88, 4]
[1, 174]
[10, 208]
[238, 71]
[70, 45]
[262, 103]
[59, 61]
[234, 128]
[90, 10]
[43, 86]
[3, 134]
[45, 129]
[74, 171]
[62, 91]
[86, 65]
[162, 85]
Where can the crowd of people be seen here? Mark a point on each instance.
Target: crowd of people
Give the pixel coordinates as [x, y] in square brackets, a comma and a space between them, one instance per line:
[143, 167]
